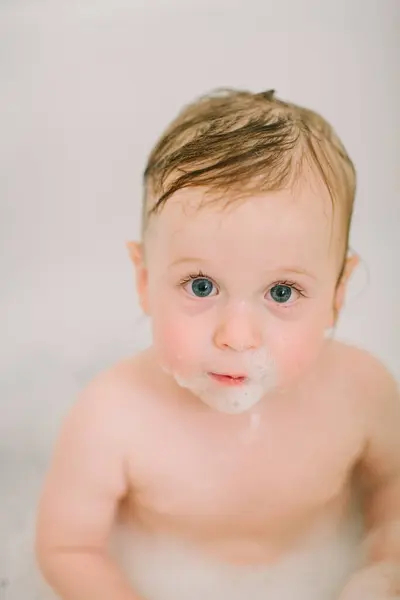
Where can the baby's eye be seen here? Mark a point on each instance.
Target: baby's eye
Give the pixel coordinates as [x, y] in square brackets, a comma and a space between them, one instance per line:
[201, 287]
[283, 294]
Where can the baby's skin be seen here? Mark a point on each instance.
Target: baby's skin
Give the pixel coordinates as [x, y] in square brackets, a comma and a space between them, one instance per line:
[175, 478]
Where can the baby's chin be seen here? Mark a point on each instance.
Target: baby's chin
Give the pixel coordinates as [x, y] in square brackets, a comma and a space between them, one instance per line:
[227, 400]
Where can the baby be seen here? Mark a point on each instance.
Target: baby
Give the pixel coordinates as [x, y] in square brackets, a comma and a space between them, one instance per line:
[245, 455]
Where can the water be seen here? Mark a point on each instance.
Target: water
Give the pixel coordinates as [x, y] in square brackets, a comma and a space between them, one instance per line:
[163, 568]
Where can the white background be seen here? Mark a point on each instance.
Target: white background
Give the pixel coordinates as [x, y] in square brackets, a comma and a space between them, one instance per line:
[86, 89]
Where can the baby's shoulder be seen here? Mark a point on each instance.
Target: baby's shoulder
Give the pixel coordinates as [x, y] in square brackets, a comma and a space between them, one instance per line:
[361, 373]
[114, 395]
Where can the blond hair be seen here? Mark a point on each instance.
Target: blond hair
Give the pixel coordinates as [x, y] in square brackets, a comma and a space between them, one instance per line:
[234, 143]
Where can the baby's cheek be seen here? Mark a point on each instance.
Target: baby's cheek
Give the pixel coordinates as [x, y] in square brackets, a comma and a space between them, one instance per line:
[296, 351]
[178, 343]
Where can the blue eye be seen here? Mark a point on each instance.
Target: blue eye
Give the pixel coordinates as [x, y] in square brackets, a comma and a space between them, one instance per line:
[202, 287]
[281, 293]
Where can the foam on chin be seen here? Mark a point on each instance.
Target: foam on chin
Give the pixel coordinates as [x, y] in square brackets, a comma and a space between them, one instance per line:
[238, 399]
[232, 400]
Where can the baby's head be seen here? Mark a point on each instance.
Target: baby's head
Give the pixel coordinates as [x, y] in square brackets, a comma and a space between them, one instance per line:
[244, 258]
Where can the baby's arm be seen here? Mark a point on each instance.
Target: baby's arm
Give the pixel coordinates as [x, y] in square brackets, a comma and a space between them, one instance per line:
[85, 483]
[380, 479]
[380, 468]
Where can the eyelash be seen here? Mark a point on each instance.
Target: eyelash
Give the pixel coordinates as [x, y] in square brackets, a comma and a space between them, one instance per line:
[291, 284]
[200, 275]
[193, 276]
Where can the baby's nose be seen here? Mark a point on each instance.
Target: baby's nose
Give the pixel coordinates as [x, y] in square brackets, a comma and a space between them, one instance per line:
[238, 329]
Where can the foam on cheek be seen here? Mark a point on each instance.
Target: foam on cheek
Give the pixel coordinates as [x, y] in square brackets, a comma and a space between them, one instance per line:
[328, 333]
[260, 365]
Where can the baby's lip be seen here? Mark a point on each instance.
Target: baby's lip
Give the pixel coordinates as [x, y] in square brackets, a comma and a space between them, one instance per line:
[229, 378]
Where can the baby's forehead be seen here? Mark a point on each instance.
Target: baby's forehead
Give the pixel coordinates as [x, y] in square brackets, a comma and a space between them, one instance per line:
[271, 231]
[282, 215]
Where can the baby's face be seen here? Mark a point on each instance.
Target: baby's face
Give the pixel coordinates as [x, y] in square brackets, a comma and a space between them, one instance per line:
[240, 298]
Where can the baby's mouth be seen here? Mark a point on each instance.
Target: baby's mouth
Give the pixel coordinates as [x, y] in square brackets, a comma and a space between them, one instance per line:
[226, 379]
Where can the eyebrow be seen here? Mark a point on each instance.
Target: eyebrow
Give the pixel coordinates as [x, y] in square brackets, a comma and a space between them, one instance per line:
[295, 270]
[189, 259]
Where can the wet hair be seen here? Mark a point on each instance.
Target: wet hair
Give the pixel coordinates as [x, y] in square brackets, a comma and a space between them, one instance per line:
[236, 143]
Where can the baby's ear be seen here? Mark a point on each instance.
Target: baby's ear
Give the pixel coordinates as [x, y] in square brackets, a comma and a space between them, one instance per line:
[349, 267]
[136, 254]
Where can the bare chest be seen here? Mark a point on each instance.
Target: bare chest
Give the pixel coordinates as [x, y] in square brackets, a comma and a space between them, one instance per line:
[257, 474]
